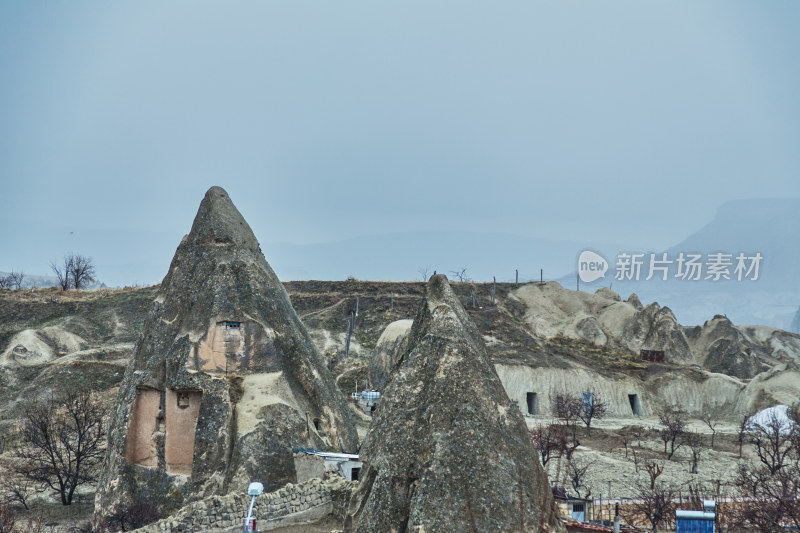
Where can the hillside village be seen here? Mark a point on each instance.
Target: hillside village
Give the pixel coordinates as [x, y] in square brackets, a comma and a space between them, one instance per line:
[222, 375]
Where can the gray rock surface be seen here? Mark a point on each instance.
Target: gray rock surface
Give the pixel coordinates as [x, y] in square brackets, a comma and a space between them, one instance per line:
[224, 379]
[391, 345]
[447, 450]
[725, 349]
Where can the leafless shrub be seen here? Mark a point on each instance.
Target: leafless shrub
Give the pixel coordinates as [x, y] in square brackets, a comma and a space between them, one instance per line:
[14, 486]
[8, 517]
[139, 512]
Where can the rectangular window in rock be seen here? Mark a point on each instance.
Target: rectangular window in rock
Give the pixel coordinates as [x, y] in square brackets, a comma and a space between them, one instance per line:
[354, 473]
[230, 346]
[636, 407]
[533, 403]
[146, 420]
[182, 412]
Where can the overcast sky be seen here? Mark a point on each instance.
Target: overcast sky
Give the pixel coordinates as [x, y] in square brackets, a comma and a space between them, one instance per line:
[605, 121]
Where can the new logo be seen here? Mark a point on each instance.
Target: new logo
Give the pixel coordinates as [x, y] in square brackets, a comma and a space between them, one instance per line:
[591, 266]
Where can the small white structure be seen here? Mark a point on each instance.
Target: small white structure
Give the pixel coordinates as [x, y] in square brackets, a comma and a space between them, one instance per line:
[368, 400]
[346, 464]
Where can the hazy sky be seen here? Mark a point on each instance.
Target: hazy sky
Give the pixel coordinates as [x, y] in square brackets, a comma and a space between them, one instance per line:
[610, 121]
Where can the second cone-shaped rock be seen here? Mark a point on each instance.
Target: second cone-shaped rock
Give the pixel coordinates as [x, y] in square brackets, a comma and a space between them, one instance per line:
[448, 451]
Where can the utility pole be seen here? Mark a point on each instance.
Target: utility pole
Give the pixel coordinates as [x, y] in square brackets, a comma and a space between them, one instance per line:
[351, 321]
[494, 287]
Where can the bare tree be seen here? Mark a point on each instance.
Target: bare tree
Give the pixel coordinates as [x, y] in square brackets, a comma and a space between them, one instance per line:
[82, 271]
[546, 441]
[630, 434]
[62, 272]
[460, 275]
[423, 272]
[673, 426]
[16, 487]
[12, 280]
[771, 436]
[593, 408]
[742, 433]
[695, 444]
[75, 272]
[773, 499]
[16, 279]
[654, 469]
[567, 409]
[62, 442]
[711, 418]
[655, 504]
[577, 474]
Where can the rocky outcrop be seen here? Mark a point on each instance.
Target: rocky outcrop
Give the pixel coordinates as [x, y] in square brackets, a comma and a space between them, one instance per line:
[224, 379]
[634, 300]
[447, 450]
[655, 328]
[724, 348]
[628, 327]
[390, 346]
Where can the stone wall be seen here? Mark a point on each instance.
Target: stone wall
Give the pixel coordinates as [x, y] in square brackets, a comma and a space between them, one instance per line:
[291, 504]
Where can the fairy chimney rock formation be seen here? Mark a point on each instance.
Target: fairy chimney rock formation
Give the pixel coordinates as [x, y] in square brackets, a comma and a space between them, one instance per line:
[224, 379]
[447, 450]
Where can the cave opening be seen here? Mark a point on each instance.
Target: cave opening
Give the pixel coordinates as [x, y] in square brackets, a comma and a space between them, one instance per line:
[533, 403]
[636, 406]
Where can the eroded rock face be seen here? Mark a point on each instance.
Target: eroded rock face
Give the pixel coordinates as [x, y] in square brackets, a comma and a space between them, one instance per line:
[724, 348]
[447, 450]
[655, 328]
[392, 343]
[224, 379]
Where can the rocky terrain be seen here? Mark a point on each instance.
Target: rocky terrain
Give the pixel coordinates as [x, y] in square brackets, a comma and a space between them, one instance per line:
[209, 331]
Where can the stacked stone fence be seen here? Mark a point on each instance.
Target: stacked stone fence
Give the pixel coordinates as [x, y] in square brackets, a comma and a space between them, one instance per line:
[299, 503]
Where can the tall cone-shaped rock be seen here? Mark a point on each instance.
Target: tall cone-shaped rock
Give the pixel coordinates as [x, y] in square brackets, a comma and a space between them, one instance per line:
[224, 379]
[447, 450]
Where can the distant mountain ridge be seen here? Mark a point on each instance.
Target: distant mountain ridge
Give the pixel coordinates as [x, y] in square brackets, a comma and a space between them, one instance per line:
[769, 226]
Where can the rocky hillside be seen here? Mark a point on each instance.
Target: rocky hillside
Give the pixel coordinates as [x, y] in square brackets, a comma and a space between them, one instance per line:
[48, 336]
